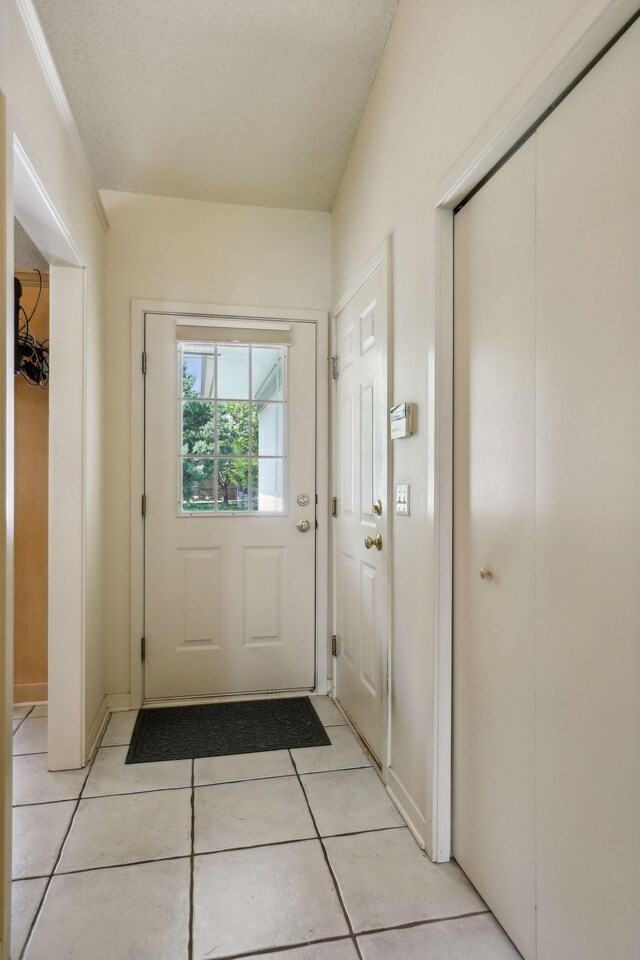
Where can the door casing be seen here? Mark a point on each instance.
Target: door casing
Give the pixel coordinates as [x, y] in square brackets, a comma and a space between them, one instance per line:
[139, 309]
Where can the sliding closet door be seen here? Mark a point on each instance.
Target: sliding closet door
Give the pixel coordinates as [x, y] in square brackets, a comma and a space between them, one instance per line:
[494, 376]
[588, 523]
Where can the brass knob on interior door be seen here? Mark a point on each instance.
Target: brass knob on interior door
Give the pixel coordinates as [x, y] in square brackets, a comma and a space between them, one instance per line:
[485, 574]
[373, 542]
[303, 525]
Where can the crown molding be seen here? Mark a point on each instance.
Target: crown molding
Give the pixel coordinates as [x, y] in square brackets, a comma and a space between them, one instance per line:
[41, 48]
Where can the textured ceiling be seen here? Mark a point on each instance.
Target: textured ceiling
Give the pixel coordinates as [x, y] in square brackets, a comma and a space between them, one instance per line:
[239, 101]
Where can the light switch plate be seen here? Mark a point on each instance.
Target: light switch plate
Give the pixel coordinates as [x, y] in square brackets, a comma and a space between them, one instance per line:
[402, 499]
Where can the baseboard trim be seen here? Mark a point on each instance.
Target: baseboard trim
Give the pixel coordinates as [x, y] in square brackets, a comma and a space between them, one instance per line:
[30, 692]
[96, 730]
[408, 809]
[118, 701]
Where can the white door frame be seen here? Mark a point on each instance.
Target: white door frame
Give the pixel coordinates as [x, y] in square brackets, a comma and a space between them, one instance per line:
[597, 24]
[23, 194]
[139, 309]
[382, 257]
[36, 211]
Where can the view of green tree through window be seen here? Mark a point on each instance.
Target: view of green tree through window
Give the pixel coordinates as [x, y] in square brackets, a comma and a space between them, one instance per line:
[232, 428]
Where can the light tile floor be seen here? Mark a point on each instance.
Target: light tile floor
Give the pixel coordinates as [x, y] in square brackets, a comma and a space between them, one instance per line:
[289, 855]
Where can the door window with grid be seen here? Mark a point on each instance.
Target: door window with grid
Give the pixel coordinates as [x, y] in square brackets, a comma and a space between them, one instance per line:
[232, 428]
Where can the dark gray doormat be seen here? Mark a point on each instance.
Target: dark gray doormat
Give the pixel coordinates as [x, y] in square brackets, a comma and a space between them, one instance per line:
[220, 729]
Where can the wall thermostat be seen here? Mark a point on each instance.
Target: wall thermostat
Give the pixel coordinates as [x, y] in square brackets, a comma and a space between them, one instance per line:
[401, 419]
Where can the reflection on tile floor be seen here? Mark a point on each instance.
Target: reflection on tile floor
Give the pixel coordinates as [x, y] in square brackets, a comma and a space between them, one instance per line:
[289, 855]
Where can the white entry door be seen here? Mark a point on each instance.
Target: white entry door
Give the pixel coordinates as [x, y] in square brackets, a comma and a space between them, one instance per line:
[362, 543]
[230, 526]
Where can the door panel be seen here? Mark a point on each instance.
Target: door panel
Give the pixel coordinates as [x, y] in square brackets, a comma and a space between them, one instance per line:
[201, 580]
[568, 592]
[361, 445]
[494, 512]
[229, 579]
[265, 595]
[588, 525]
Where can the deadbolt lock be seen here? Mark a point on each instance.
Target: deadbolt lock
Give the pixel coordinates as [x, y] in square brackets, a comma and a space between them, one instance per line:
[377, 508]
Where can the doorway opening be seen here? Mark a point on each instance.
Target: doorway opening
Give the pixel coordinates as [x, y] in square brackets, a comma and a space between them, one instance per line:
[31, 483]
[229, 454]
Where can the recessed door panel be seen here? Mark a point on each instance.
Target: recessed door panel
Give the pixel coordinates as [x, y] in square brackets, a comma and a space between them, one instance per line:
[347, 459]
[369, 667]
[201, 580]
[367, 334]
[347, 591]
[264, 595]
[367, 457]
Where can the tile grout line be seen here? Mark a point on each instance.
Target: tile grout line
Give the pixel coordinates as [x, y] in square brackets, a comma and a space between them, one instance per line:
[221, 783]
[192, 860]
[361, 933]
[52, 874]
[410, 924]
[328, 863]
[201, 853]
[101, 796]
[110, 866]
[287, 948]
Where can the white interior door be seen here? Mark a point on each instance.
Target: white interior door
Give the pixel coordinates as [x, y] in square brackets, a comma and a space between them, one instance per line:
[588, 516]
[230, 527]
[494, 519]
[360, 561]
[547, 463]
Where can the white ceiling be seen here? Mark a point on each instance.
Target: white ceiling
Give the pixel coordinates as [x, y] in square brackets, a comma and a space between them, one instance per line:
[238, 101]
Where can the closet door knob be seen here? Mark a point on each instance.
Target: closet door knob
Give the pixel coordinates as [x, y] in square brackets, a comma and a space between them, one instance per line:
[485, 574]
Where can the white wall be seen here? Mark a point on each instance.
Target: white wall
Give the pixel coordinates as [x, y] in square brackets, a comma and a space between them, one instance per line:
[447, 67]
[185, 250]
[32, 114]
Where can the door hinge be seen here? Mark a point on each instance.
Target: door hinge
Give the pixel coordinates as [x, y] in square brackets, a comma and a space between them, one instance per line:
[144, 362]
[333, 363]
[143, 648]
[144, 504]
[334, 506]
[334, 645]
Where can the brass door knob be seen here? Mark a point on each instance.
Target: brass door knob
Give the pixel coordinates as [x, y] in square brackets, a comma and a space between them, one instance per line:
[485, 574]
[373, 542]
[303, 525]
